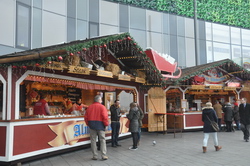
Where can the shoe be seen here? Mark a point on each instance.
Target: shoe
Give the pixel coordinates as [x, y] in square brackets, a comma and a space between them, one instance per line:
[94, 158]
[217, 148]
[118, 145]
[133, 148]
[204, 149]
[114, 146]
[105, 157]
[247, 140]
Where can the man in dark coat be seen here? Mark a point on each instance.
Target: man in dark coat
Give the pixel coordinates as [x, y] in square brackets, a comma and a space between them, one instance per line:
[244, 111]
[115, 122]
[208, 113]
[236, 115]
[228, 116]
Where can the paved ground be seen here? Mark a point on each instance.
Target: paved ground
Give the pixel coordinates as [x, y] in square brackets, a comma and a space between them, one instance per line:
[168, 151]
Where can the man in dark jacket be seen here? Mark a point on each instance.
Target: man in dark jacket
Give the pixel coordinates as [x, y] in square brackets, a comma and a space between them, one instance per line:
[96, 117]
[115, 122]
[244, 111]
[228, 116]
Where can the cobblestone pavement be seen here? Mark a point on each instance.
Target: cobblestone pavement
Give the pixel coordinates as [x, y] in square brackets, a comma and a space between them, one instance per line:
[184, 150]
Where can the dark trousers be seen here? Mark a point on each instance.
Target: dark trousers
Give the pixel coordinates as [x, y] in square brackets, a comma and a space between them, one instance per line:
[237, 122]
[228, 126]
[135, 139]
[245, 130]
[115, 132]
[219, 123]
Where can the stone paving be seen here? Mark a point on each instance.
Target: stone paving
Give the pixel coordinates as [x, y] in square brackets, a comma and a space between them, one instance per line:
[184, 150]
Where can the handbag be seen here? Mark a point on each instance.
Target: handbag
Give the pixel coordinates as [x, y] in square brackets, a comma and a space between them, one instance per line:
[214, 125]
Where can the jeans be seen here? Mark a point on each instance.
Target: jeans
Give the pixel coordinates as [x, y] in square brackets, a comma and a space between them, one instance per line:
[115, 132]
[93, 137]
[206, 137]
[245, 130]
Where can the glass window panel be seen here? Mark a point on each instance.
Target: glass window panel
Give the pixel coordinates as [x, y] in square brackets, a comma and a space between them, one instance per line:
[236, 54]
[71, 8]
[235, 35]
[140, 37]
[208, 31]
[173, 47]
[137, 18]
[189, 27]
[246, 57]
[166, 44]
[124, 29]
[54, 28]
[82, 9]
[94, 14]
[180, 26]
[23, 26]
[154, 21]
[27, 2]
[221, 33]
[190, 52]
[37, 3]
[56, 6]
[245, 37]
[173, 24]
[181, 52]
[71, 29]
[93, 30]
[82, 30]
[37, 28]
[202, 52]
[221, 51]
[165, 23]
[154, 40]
[123, 16]
[201, 30]
[108, 30]
[209, 51]
[110, 17]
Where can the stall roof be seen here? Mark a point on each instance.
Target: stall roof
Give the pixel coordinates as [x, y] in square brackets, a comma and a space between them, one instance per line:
[233, 69]
[122, 46]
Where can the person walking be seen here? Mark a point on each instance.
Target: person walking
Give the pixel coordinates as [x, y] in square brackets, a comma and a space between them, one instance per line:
[228, 116]
[244, 111]
[96, 117]
[209, 113]
[218, 109]
[115, 123]
[236, 115]
[134, 116]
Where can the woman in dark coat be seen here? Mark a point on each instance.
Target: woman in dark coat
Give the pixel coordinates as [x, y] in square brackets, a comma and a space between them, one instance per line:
[228, 116]
[209, 112]
[134, 116]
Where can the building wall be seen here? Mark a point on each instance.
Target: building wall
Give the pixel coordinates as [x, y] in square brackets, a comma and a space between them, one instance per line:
[45, 22]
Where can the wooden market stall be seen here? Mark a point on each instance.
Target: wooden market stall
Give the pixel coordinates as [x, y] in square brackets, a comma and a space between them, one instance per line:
[218, 81]
[113, 65]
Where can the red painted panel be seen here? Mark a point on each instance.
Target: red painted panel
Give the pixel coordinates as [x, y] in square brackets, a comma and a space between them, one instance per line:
[193, 120]
[30, 138]
[2, 140]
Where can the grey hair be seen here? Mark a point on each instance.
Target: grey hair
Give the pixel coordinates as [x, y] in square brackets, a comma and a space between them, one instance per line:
[97, 98]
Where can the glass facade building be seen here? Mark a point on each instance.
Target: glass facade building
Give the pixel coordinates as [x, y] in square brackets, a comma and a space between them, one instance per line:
[32, 24]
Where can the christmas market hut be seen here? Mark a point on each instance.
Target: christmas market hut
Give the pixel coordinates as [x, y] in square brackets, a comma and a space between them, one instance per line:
[113, 66]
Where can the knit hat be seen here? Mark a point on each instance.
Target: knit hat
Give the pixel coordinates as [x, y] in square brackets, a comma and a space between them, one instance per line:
[208, 104]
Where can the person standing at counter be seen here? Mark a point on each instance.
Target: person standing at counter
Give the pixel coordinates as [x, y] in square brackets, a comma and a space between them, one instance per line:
[41, 107]
[96, 117]
[228, 116]
[134, 116]
[67, 103]
[209, 113]
[244, 110]
[236, 115]
[79, 106]
[218, 110]
[115, 111]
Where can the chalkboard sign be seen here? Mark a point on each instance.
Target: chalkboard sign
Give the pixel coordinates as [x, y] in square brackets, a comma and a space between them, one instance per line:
[73, 94]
